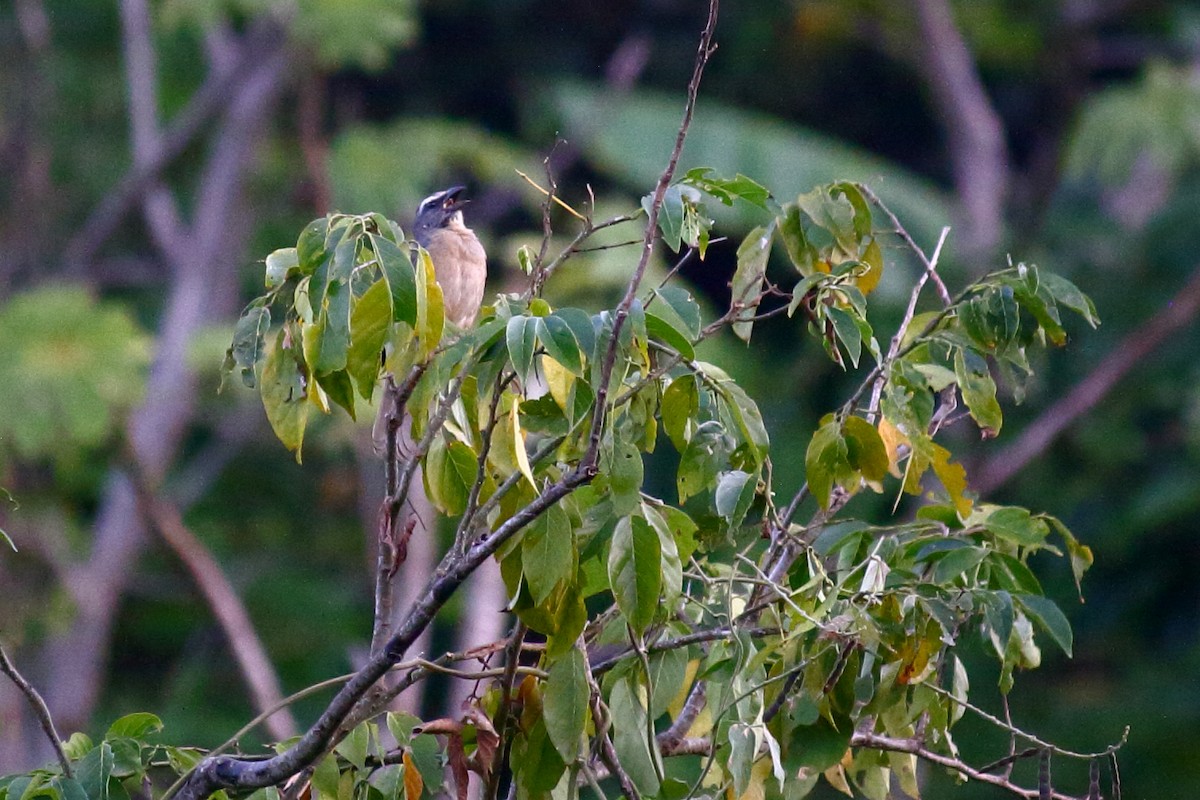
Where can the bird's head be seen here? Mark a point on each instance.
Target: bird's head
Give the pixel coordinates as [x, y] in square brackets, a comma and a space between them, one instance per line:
[437, 211]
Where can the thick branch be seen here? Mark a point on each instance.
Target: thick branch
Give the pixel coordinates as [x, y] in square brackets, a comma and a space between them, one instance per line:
[1180, 311]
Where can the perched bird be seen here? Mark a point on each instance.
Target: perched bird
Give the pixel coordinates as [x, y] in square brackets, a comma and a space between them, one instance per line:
[460, 265]
[458, 257]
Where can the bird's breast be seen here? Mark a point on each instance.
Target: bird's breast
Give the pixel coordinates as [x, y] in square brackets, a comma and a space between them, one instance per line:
[461, 267]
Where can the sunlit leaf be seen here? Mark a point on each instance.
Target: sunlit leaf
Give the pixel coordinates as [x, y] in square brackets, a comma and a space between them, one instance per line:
[431, 313]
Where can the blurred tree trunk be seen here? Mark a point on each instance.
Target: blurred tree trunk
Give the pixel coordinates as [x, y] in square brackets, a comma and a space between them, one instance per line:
[202, 257]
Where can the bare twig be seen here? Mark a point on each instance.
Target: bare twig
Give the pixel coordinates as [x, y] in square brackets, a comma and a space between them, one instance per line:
[1179, 312]
[891, 744]
[512, 655]
[39, 709]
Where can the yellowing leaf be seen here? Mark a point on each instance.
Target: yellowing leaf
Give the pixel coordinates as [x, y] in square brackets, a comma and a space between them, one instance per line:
[757, 788]
[519, 445]
[873, 258]
[559, 380]
[893, 440]
[836, 775]
[953, 477]
[431, 313]
[413, 782]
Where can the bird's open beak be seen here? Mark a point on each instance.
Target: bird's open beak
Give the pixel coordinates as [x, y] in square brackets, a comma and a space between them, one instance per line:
[453, 200]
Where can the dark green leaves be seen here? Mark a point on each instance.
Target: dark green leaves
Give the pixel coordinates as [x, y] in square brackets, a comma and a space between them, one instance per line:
[566, 704]
[634, 571]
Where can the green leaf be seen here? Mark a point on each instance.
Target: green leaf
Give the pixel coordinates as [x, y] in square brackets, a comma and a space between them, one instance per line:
[668, 669]
[680, 310]
[77, 746]
[281, 265]
[746, 417]
[680, 403]
[846, 328]
[134, 726]
[325, 778]
[748, 278]
[548, 552]
[735, 493]
[310, 246]
[1068, 294]
[248, 348]
[401, 724]
[387, 780]
[339, 389]
[626, 476]
[1049, 617]
[670, 216]
[636, 752]
[662, 330]
[670, 565]
[826, 462]
[864, 448]
[1015, 525]
[521, 336]
[957, 561]
[635, 571]
[560, 343]
[701, 460]
[1080, 555]
[68, 788]
[94, 771]
[580, 323]
[356, 746]
[536, 762]
[978, 391]
[566, 704]
[400, 276]
[370, 322]
[283, 396]
[333, 337]
[450, 471]
[726, 189]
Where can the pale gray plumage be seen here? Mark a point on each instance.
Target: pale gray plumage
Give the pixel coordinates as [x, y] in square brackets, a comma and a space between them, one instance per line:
[458, 257]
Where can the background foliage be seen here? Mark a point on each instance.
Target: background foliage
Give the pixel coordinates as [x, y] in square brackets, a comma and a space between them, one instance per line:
[385, 102]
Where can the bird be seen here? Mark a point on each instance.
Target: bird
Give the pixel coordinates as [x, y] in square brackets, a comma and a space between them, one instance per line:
[459, 260]
[460, 266]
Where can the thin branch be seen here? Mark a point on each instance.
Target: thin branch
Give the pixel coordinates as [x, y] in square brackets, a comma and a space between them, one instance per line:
[512, 655]
[703, 53]
[1015, 731]
[39, 709]
[876, 741]
[1180, 311]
